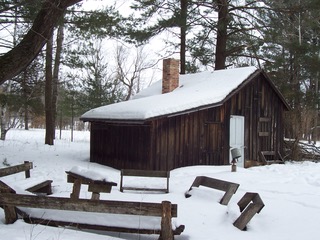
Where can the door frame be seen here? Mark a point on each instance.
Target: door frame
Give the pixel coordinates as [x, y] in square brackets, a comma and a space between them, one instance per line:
[236, 127]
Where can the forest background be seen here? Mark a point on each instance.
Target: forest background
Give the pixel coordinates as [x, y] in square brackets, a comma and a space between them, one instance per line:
[60, 58]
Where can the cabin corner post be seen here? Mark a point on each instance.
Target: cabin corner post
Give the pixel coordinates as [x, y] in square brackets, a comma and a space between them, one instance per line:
[166, 224]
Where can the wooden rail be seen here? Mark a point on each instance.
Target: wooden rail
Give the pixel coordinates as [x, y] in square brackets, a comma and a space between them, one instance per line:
[249, 205]
[144, 173]
[229, 188]
[165, 210]
[25, 167]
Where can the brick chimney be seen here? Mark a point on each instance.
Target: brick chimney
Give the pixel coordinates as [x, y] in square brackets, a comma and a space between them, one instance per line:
[170, 75]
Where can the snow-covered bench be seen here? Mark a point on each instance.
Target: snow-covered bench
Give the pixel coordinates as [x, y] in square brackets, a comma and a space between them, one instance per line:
[229, 188]
[118, 216]
[144, 173]
[96, 182]
[38, 187]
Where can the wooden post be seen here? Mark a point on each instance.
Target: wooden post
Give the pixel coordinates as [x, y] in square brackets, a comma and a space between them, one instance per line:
[10, 214]
[27, 172]
[76, 189]
[233, 166]
[166, 224]
[9, 211]
[95, 196]
[121, 181]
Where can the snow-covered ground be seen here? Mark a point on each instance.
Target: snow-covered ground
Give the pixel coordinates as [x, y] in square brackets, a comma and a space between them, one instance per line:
[290, 192]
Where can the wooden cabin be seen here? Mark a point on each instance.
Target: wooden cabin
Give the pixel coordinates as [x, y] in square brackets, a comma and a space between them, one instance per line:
[192, 119]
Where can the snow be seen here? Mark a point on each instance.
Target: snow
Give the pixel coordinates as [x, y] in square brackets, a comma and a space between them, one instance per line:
[94, 175]
[195, 90]
[290, 193]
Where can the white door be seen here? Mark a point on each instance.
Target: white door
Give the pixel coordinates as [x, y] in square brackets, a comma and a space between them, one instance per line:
[237, 137]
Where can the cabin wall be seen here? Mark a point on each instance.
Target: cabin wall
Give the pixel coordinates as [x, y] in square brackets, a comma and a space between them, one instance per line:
[263, 112]
[120, 146]
[196, 138]
[202, 138]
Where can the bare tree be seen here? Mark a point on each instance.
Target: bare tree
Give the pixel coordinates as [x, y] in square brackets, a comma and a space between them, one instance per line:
[129, 71]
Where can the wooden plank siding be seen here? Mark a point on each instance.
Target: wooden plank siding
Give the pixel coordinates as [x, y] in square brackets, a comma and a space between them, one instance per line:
[120, 146]
[263, 112]
[197, 138]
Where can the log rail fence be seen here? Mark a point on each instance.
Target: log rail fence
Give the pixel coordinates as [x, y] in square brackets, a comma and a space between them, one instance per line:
[165, 210]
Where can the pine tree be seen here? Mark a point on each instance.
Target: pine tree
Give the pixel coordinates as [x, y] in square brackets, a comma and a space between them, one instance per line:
[173, 16]
[291, 51]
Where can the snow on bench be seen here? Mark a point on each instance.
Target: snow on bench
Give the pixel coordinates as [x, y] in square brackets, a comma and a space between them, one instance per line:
[97, 182]
[119, 216]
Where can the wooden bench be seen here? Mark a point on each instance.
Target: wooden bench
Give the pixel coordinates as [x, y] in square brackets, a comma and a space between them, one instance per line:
[94, 186]
[165, 210]
[229, 188]
[25, 167]
[144, 173]
[249, 205]
[270, 157]
[40, 188]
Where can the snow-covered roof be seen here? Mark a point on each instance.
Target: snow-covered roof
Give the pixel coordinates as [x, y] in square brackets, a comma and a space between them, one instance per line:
[195, 90]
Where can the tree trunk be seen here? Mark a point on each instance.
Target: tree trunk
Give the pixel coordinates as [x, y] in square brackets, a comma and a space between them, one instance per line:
[183, 32]
[55, 83]
[48, 95]
[221, 44]
[25, 97]
[2, 123]
[16, 60]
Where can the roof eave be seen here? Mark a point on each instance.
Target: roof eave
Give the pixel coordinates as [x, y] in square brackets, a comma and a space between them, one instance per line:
[143, 121]
[109, 120]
